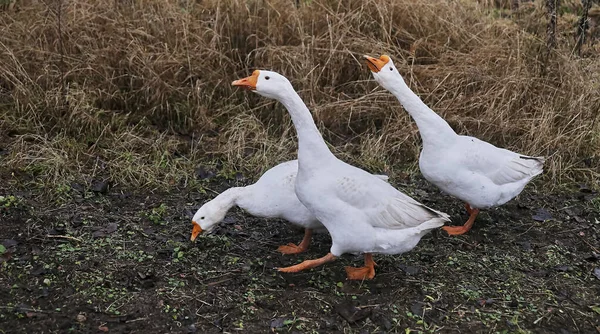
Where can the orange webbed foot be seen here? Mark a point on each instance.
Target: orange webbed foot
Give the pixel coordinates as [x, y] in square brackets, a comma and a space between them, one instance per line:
[297, 249]
[295, 268]
[308, 264]
[455, 230]
[458, 230]
[291, 249]
[361, 273]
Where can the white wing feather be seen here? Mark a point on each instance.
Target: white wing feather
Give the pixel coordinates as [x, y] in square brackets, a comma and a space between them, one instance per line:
[385, 206]
[499, 165]
[517, 169]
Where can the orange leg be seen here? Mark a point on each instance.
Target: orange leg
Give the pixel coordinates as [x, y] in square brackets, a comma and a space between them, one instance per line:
[308, 264]
[362, 273]
[469, 209]
[296, 249]
[458, 230]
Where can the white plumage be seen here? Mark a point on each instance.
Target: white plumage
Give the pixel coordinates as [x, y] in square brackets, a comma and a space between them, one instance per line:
[470, 169]
[272, 196]
[362, 213]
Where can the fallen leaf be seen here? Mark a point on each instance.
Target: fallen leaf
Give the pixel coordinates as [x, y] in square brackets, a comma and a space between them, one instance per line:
[202, 173]
[564, 268]
[9, 243]
[5, 256]
[77, 186]
[594, 257]
[145, 275]
[280, 322]
[410, 270]
[417, 309]
[110, 228]
[381, 320]
[81, 318]
[99, 234]
[103, 328]
[538, 273]
[99, 187]
[597, 273]
[485, 302]
[351, 313]
[542, 215]
[38, 271]
[526, 245]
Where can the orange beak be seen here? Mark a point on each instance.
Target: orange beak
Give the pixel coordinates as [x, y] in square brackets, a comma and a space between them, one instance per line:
[249, 82]
[375, 65]
[196, 230]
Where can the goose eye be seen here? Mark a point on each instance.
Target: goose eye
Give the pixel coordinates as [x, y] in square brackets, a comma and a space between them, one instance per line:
[267, 77]
[391, 68]
[202, 218]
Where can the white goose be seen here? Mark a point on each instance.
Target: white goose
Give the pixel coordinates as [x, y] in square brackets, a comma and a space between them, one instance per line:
[272, 196]
[479, 173]
[361, 212]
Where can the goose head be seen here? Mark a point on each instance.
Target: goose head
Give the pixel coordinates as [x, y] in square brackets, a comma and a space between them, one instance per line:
[384, 71]
[207, 217]
[266, 83]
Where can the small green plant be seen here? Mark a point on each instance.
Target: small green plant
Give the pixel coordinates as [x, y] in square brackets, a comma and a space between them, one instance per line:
[227, 173]
[596, 204]
[178, 254]
[9, 201]
[156, 215]
[63, 192]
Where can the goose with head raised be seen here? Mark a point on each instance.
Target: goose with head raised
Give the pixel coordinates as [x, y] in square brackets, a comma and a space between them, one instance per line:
[478, 173]
[362, 213]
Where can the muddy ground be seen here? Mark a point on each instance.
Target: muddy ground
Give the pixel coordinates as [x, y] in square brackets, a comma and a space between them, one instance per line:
[91, 259]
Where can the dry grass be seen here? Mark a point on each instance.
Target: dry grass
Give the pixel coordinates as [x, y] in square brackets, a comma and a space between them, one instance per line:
[139, 91]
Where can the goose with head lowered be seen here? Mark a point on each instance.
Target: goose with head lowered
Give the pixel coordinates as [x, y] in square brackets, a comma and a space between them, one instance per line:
[272, 196]
[478, 173]
[362, 213]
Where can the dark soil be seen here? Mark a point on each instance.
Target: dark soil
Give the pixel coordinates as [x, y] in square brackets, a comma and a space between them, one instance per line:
[106, 260]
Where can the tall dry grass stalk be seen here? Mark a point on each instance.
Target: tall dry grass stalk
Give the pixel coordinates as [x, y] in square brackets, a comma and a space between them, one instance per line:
[139, 90]
[583, 25]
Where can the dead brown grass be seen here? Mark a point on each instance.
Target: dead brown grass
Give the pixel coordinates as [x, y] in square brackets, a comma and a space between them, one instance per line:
[139, 91]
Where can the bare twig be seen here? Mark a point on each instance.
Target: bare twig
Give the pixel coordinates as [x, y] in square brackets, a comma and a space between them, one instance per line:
[64, 237]
[551, 7]
[591, 246]
[582, 26]
[219, 282]
[24, 309]
[368, 306]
